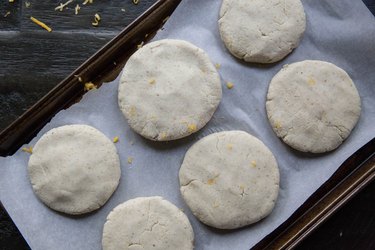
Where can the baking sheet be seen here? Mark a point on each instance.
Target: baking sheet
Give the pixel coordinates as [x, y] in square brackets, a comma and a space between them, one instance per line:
[338, 31]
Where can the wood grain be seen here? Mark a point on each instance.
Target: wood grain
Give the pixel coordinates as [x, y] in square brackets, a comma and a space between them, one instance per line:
[33, 61]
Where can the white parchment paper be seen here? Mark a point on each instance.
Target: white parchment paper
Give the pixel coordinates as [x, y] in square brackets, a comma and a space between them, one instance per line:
[338, 31]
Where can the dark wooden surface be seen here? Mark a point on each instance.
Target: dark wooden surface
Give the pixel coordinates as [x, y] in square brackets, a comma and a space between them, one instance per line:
[33, 61]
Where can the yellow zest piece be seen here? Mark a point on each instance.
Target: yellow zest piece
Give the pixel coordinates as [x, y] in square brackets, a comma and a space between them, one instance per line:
[132, 111]
[277, 124]
[163, 135]
[116, 139]
[230, 85]
[87, 1]
[230, 146]
[211, 181]
[7, 14]
[130, 160]
[63, 5]
[192, 128]
[27, 4]
[135, 1]
[311, 81]
[217, 65]
[11, 1]
[96, 20]
[28, 150]
[89, 86]
[253, 164]
[151, 81]
[41, 24]
[76, 9]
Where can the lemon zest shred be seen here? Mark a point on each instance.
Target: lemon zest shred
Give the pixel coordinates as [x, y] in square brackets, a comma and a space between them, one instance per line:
[115, 139]
[77, 9]
[253, 164]
[89, 86]
[192, 128]
[230, 85]
[63, 5]
[97, 19]
[41, 24]
[28, 150]
[88, 1]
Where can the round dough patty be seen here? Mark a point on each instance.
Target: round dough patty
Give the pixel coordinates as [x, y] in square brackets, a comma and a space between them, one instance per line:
[261, 31]
[147, 223]
[229, 180]
[313, 106]
[74, 169]
[169, 90]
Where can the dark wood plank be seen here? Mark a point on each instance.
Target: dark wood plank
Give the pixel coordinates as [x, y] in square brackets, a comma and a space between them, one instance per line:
[33, 61]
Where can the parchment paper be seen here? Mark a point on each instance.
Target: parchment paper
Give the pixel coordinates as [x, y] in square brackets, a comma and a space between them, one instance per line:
[338, 31]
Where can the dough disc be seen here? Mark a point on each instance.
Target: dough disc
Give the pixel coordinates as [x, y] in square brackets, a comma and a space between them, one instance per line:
[147, 223]
[229, 180]
[261, 31]
[169, 90]
[313, 106]
[74, 169]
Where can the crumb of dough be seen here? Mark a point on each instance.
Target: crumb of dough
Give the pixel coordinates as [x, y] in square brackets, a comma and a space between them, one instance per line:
[28, 150]
[27, 4]
[11, 1]
[130, 160]
[230, 85]
[89, 86]
[41, 24]
[7, 14]
[115, 139]
[192, 127]
[123, 10]
[135, 2]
